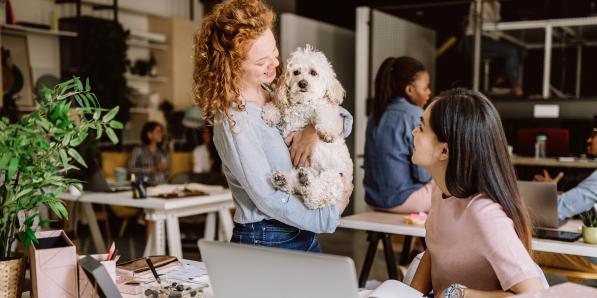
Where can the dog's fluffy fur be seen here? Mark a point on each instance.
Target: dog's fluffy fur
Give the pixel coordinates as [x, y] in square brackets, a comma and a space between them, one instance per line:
[309, 93]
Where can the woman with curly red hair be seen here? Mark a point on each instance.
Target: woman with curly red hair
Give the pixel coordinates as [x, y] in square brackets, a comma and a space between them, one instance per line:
[236, 60]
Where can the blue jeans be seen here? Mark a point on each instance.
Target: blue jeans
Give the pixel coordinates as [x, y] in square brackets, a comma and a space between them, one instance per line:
[512, 54]
[272, 233]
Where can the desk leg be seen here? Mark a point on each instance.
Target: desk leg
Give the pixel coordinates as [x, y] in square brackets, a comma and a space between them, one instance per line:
[389, 254]
[173, 233]
[210, 227]
[373, 238]
[226, 223]
[160, 237]
[405, 254]
[96, 234]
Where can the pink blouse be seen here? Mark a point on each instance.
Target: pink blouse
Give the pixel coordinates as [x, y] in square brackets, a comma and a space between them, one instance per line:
[473, 242]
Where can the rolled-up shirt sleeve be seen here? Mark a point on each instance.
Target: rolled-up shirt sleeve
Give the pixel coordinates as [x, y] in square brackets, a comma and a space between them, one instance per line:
[579, 199]
[242, 151]
[347, 120]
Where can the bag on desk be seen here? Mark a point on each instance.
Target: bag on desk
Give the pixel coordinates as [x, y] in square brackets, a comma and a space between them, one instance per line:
[53, 265]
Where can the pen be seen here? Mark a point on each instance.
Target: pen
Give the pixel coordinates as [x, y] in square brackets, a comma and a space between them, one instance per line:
[155, 274]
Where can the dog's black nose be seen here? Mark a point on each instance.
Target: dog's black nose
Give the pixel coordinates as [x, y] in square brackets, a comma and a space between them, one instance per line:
[303, 84]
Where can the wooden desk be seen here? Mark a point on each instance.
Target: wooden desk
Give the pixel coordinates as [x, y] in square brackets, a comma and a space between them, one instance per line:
[165, 214]
[389, 223]
[553, 162]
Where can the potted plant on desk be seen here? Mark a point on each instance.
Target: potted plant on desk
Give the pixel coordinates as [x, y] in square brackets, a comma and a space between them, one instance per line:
[589, 226]
[35, 152]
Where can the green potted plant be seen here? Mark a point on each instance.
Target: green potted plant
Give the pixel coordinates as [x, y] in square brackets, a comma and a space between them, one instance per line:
[35, 153]
[589, 226]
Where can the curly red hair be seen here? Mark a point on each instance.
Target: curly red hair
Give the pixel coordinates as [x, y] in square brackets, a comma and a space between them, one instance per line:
[221, 46]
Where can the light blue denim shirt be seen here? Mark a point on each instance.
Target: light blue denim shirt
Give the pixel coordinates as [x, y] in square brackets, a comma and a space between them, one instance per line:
[251, 151]
[390, 175]
[579, 199]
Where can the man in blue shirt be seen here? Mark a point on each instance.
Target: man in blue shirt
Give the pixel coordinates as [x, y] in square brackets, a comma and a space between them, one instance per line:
[581, 198]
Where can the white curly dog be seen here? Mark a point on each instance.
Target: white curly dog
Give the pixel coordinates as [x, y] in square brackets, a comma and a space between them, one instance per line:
[309, 93]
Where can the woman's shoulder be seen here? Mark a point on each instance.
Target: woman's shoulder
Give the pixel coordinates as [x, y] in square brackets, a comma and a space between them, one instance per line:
[483, 209]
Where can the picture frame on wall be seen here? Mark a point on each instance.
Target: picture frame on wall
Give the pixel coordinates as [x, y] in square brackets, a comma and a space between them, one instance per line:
[16, 71]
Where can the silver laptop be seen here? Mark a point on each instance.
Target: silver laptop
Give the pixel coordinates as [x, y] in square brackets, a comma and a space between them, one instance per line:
[237, 270]
[541, 199]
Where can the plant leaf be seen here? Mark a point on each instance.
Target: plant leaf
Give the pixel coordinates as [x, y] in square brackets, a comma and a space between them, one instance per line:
[116, 124]
[12, 167]
[112, 135]
[99, 131]
[110, 115]
[74, 154]
[4, 160]
[87, 85]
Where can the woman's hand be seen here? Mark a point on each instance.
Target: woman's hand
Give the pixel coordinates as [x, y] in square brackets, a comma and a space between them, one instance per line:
[302, 145]
[547, 178]
[345, 199]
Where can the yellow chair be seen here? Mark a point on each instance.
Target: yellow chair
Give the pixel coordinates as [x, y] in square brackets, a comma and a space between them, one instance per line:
[181, 162]
[112, 160]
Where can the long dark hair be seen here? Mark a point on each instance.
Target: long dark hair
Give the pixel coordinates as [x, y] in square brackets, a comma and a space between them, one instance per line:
[478, 159]
[392, 77]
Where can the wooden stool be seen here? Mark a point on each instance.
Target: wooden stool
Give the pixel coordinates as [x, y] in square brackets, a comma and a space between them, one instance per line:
[572, 276]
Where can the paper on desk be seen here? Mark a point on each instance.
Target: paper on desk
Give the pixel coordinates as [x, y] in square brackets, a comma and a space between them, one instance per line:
[186, 274]
[394, 288]
[172, 188]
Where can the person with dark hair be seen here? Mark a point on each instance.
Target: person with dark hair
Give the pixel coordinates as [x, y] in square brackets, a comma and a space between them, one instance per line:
[205, 156]
[478, 229]
[581, 198]
[392, 182]
[150, 159]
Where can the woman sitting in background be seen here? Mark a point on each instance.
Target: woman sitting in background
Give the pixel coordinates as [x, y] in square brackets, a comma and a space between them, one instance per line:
[392, 182]
[150, 160]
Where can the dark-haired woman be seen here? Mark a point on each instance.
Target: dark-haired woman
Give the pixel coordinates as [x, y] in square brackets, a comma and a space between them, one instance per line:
[150, 160]
[392, 182]
[478, 234]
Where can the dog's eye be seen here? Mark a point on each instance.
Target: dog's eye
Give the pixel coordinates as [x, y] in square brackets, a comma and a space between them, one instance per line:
[313, 73]
[296, 72]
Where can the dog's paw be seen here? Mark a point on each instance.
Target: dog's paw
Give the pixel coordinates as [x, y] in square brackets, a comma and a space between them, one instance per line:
[304, 177]
[326, 137]
[270, 114]
[280, 181]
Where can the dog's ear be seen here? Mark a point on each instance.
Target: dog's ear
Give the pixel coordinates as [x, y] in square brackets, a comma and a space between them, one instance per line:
[335, 92]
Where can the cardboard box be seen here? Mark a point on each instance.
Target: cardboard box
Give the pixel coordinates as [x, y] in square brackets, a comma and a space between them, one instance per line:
[53, 265]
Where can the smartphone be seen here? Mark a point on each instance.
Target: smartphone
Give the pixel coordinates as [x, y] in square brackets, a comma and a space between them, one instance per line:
[556, 235]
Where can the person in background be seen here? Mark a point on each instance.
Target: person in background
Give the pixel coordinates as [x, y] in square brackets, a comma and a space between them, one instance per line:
[492, 45]
[581, 198]
[150, 160]
[236, 58]
[478, 229]
[392, 182]
[205, 156]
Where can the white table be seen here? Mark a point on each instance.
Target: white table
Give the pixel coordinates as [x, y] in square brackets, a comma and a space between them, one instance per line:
[553, 162]
[394, 224]
[379, 224]
[164, 213]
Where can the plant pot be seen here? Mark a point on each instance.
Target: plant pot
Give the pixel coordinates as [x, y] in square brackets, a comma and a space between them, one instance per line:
[12, 272]
[589, 234]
